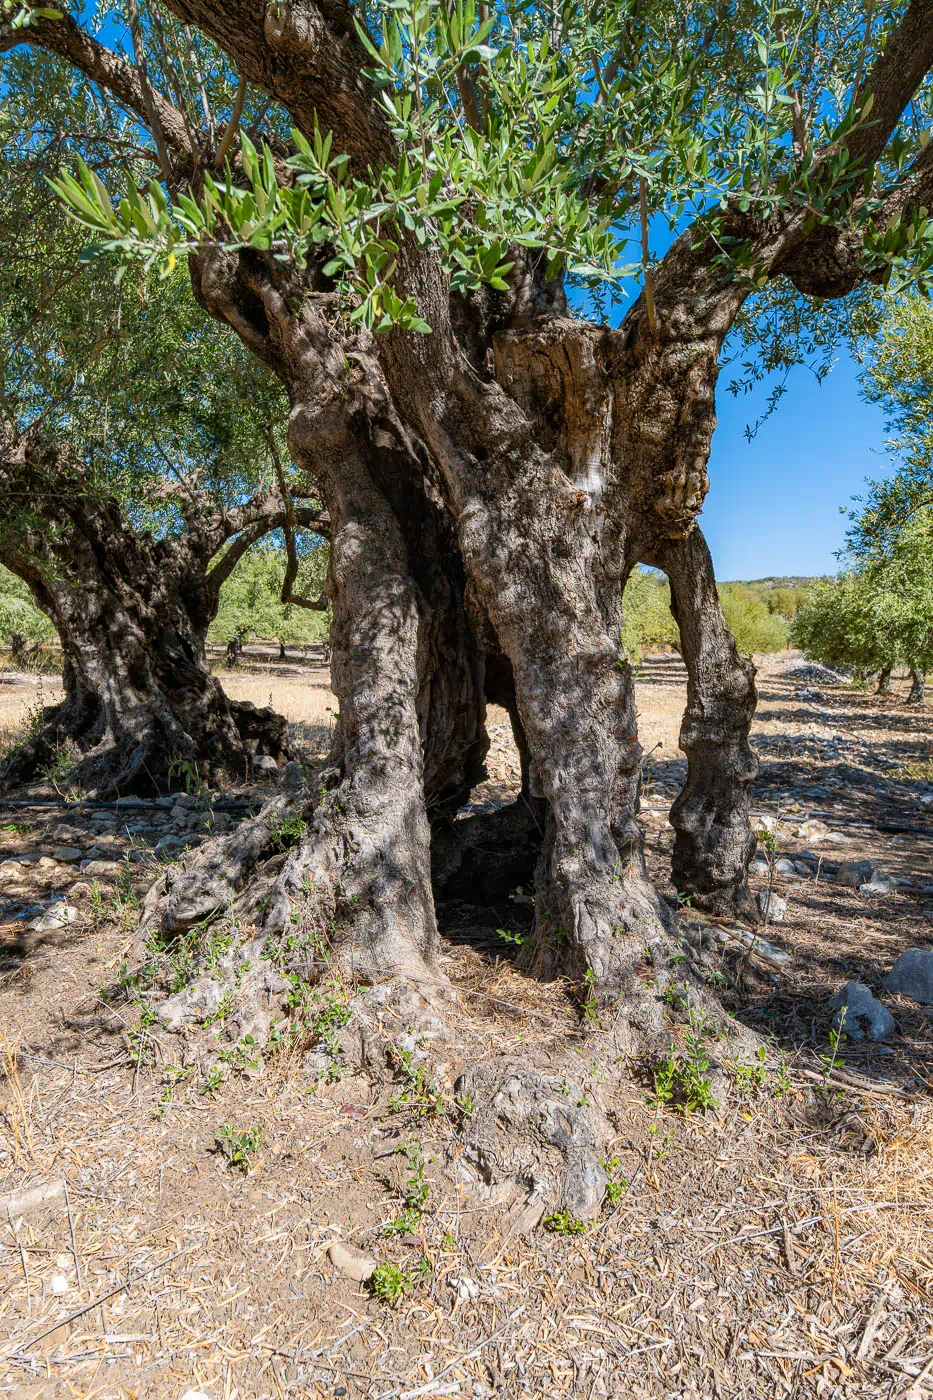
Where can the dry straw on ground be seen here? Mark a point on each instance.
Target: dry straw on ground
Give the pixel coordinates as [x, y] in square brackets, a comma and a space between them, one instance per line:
[781, 1246]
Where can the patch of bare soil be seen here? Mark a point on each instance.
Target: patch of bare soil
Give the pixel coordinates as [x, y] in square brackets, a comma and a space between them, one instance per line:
[779, 1244]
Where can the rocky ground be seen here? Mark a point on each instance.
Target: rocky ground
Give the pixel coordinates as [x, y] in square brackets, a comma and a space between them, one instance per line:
[203, 1215]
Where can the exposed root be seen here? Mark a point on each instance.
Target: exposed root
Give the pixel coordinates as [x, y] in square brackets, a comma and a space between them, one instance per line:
[544, 1133]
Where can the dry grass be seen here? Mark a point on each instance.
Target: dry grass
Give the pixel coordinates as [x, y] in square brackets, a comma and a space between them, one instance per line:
[19, 703]
[307, 702]
[782, 1247]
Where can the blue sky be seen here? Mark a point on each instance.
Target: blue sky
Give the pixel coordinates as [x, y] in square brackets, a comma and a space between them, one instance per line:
[773, 504]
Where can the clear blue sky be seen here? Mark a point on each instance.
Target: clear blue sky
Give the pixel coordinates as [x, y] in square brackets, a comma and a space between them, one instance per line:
[773, 503]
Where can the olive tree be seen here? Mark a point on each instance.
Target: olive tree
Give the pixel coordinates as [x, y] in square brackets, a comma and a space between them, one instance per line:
[132, 480]
[425, 263]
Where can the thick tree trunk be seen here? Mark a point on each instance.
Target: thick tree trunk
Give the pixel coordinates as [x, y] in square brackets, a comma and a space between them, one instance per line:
[714, 841]
[132, 615]
[918, 683]
[406, 668]
[884, 680]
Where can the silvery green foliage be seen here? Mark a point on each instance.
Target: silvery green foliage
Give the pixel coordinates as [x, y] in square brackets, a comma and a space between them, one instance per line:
[563, 129]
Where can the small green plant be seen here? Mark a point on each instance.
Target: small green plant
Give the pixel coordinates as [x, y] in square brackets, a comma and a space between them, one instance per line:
[769, 844]
[286, 830]
[508, 936]
[753, 1076]
[675, 996]
[420, 1095]
[195, 786]
[242, 1056]
[661, 1142]
[682, 1080]
[616, 1186]
[213, 1080]
[239, 1148]
[415, 1195]
[782, 1080]
[563, 1223]
[590, 1006]
[836, 1036]
[389, 1282]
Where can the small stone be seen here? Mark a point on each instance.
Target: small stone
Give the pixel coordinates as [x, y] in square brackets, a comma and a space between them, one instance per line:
[758, 867]
[195, 1395]
[812, 830]
[170, 845]
[351, 1262]
[803, 867]
[60, 1284]
[912, 975]
[772, 909]
[292, 776]
[67, 854]
[836, 838]
[785, 867]
[59, 917]
[467, 1288]
[858, 1011]
[880, 883]
[854, 873]
[265, 766]
[101, 869]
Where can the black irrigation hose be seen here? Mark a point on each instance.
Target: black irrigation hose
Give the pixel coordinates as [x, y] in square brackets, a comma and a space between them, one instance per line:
[122, 805]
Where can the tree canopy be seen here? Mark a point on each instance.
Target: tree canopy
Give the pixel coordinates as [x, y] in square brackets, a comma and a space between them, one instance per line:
[879, 613]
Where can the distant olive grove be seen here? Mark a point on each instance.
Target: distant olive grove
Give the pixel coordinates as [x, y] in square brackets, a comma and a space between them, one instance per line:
[759, 614]
[250, 605]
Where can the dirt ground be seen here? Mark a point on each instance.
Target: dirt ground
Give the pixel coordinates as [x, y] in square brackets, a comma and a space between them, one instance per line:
[780, 1244]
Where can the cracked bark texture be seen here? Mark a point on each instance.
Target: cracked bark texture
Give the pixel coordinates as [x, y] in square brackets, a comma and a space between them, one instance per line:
[131, 613]
[713, 843]
[505, 474]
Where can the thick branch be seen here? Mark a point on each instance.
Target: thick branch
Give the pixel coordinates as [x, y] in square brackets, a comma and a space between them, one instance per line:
[66, 38]
[904, 62]
[264, 524]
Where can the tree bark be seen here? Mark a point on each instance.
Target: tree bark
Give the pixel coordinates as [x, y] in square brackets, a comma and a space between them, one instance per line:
[132, 615]
[884, 680]
[406, 663]
[917, 694]
[714, 841]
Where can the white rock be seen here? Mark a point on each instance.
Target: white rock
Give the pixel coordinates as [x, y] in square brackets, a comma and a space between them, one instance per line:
[740, 937]
[758, 867]
[836, 838]
[880, 883]
[785, 867]
[773, 909]
[467, 1288]
[60, 1284]
[351, 1262]
[59, 917]
[857, 1011]
[912, 975]
[265, 765]
[813, 829]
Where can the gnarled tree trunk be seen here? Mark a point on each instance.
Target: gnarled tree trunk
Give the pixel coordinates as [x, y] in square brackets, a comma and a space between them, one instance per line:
[132, 614]
[714, 841]
[884, 681]
[918, 684]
